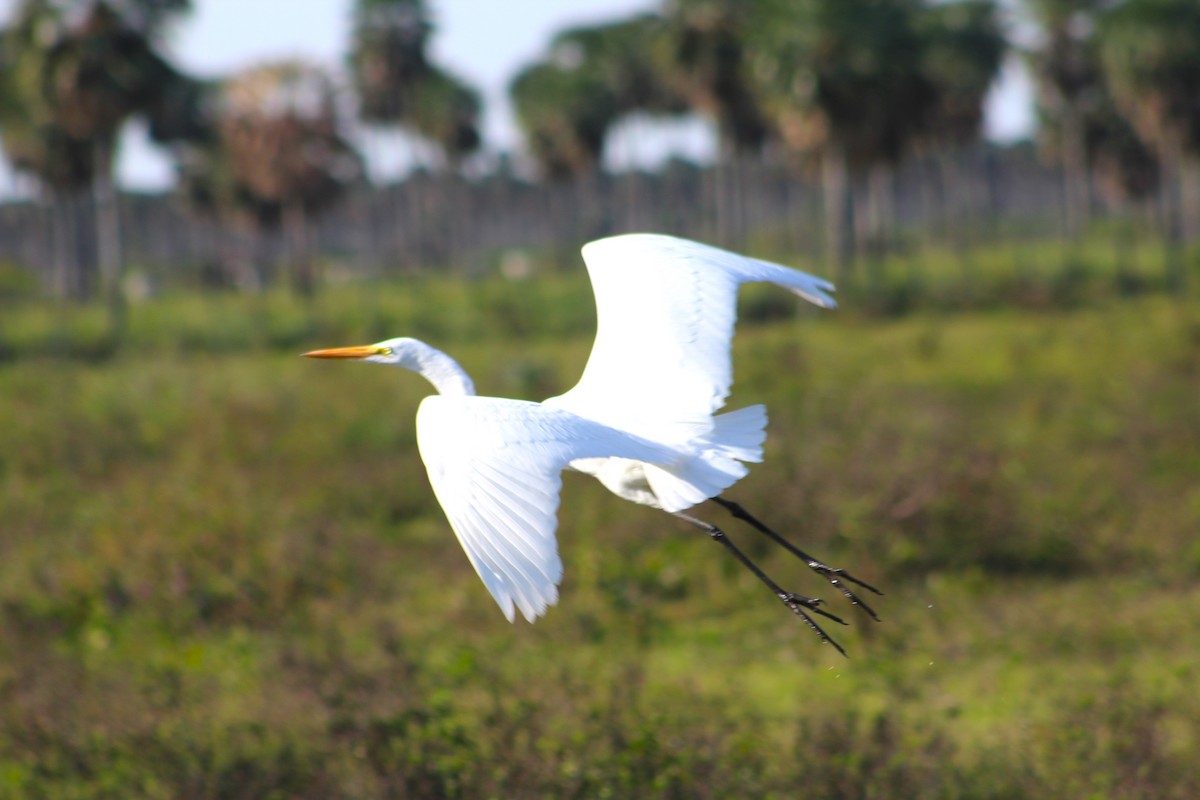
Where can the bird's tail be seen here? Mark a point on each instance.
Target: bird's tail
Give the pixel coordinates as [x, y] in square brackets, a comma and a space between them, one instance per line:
[716, 464]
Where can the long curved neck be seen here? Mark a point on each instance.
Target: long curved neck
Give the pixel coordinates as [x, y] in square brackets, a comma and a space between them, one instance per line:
[439, 369]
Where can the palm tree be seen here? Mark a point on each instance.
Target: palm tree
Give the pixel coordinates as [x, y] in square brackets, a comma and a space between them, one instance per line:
[398, 85]
[1070, 82]
[965, 46]
[83, 69]
[844, 79]
[1151, 52]
[277, 157]
[1126, 174]
[387, 56]
[708, 61]
[445, 111]
[631, 57]
[566, 112]
[36, 145]
[592, 76]
[1125, 167]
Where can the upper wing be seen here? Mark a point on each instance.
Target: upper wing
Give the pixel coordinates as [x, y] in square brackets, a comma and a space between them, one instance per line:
[496, 468]
[665, 310]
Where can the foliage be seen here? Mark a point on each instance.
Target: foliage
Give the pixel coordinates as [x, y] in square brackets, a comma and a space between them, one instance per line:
[223, 573]
[1031, 277]
[32, 141]
[71, 75]
[566, 113]
[1149, 47]
[853, 71]
[965, 46]
[1124, 165]
[268, 149]
[627, 57]
[398, 84]
[279, 126]
[76, 71]
[708, 60]
[568, 101]
[1065, 62]
[1071, 85]
[445, 110]
[265, 139]
[387, 57]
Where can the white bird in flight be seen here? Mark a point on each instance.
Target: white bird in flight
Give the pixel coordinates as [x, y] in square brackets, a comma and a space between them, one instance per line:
[642, 419]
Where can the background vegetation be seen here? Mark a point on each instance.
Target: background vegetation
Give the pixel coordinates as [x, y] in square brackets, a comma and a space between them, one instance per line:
[853, 125]
[223, 573]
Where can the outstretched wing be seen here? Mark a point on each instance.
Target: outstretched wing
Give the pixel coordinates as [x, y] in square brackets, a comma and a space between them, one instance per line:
[496, 468]
[665, 311]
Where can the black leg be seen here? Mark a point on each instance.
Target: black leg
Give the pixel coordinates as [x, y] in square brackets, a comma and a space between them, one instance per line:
[799, 604]
[837, 577]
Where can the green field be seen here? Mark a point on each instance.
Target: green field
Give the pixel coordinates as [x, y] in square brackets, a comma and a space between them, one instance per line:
[223, 573]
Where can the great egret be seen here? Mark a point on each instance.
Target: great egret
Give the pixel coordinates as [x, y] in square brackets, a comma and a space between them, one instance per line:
[642, 418]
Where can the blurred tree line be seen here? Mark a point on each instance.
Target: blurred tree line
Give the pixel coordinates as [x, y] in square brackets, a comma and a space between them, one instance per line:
[843, 94]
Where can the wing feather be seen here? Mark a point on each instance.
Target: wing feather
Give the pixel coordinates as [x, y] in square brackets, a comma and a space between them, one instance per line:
[496, 468]
[515, 539]
[665, 312]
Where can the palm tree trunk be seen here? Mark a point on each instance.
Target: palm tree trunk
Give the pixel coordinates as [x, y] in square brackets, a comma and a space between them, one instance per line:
[108, 232]
[62, 244]
[1189, 177]
[299, 251]
[1076, 192]
[953, 188]
[878, 217]
[1171, 211]
[1124, 248]
[839, 211]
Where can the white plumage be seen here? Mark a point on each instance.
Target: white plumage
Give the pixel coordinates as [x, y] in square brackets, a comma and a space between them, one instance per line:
[642, 418]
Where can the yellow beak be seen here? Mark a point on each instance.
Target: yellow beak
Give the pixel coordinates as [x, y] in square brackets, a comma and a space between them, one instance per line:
[345, 352]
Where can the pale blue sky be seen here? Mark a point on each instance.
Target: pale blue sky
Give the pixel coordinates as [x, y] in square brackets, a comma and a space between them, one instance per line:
[485, 41]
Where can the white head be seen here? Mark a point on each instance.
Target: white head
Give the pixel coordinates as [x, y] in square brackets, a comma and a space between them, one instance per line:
[438, 368]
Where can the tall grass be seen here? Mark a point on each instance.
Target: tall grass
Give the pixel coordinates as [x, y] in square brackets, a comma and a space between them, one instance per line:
[222, 573]
[557, 302]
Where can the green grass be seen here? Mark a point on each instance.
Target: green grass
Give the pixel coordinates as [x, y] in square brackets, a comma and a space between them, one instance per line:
[1038, 277]
[223, 574]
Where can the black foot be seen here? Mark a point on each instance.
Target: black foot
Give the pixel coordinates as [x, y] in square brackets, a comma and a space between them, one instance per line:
[839, 578]
[801, 606]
